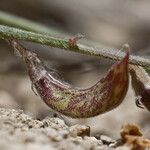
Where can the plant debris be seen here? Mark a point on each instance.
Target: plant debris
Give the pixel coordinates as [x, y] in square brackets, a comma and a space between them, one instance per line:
[132, 136]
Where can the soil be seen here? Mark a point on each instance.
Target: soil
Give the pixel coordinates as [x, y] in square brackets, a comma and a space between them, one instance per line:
[20, 131]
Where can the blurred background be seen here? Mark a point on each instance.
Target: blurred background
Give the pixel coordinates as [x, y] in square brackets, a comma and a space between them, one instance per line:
[108, 23]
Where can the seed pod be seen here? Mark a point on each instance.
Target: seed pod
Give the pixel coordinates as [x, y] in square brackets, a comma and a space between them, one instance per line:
[104, 96]
[141, 85]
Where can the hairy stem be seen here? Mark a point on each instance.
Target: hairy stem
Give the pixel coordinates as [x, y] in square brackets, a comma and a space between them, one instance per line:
[21, 23]
[10, 32]
[28, 25]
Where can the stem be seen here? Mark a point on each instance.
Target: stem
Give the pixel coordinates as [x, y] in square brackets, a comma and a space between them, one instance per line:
[21, 23]
[10, 32]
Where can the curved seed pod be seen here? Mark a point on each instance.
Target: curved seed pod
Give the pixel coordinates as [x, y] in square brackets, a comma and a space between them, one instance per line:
[141, 85]
[104, 96]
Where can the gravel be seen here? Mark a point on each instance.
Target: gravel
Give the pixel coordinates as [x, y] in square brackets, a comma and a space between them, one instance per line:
[19, 131]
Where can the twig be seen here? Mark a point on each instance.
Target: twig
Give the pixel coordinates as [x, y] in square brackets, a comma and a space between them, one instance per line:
[28, 25]
[21, 23]
[10, 32]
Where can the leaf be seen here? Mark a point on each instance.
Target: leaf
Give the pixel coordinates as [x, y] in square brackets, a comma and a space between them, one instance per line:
[141, 85]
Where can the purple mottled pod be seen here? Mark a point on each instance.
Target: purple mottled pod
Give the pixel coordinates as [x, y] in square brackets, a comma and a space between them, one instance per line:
[105, 95]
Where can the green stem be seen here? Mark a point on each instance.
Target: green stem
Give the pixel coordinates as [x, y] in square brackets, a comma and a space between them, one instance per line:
[21, 23]
[10, 32]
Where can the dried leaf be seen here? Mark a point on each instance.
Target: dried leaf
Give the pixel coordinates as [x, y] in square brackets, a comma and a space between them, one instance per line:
[130, 129]
[141, 85]
[132, 136]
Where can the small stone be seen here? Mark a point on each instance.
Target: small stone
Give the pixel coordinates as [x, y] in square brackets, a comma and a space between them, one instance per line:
[79, 130]
[55, 123]
[116, 143]
[90, 142]
[106, 140]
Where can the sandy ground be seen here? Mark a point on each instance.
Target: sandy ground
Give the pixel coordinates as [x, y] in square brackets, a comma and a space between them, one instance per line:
[19, 131]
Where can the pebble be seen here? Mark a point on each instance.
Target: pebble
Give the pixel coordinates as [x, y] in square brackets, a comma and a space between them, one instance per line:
[79, 130]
